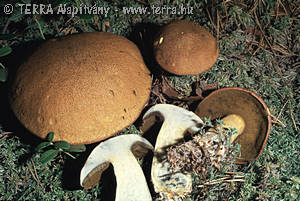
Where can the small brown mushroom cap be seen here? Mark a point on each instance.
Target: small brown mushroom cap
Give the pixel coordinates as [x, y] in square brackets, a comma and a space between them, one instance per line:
[247, 105]
[84, 87]
[185, 48]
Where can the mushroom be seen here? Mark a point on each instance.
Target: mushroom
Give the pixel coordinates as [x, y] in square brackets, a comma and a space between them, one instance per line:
[185, 48]
[120, 151]
[84, 87]
[177, 122]
[248, 108]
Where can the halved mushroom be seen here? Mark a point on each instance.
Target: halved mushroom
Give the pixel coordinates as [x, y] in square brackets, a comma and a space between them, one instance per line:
[185, 48]
[248, 108]
[84, 87]
[120, 151]
[177, 122]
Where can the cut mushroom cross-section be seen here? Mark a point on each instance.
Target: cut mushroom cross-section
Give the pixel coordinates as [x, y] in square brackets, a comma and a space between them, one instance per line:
[120, 151]
[176, 122]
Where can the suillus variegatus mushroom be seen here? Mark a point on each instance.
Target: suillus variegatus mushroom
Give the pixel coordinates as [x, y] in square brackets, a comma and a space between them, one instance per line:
[84, 87]
[185, 48]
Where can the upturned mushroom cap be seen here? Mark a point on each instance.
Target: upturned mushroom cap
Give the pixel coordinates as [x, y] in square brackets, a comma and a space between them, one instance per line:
[250, 108]
[185, 48]
[120, 151]
[84, 87]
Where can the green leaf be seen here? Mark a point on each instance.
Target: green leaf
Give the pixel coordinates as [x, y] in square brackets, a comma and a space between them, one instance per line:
[43, 145]
[77, 148]
[62, 145]
[3, 74]
[5, 51]
[7, 36]
[50, 136]
[49, 155]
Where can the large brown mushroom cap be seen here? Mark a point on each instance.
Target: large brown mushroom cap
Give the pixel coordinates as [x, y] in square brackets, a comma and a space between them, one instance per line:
[185, 48]
[247, 105]
[85, 87]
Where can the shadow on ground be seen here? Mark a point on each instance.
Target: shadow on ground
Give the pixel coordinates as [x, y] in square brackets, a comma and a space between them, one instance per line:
[8, 120]
[71, 176]
[143, 36]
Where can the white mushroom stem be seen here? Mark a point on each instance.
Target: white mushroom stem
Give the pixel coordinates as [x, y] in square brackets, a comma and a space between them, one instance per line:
[131, 183]
[176, 122]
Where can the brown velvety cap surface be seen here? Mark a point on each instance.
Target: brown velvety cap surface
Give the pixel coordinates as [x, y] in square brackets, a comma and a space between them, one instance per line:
[250, 107]
[84, 87]
[185, 48]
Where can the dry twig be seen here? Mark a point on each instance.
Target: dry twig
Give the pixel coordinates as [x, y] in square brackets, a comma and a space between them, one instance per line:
[35, 175]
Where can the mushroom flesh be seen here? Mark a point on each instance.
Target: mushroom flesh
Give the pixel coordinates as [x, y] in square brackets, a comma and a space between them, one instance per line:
[121, 151]
[177, 122]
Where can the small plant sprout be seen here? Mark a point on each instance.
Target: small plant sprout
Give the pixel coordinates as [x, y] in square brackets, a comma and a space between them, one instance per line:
[54, 148]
